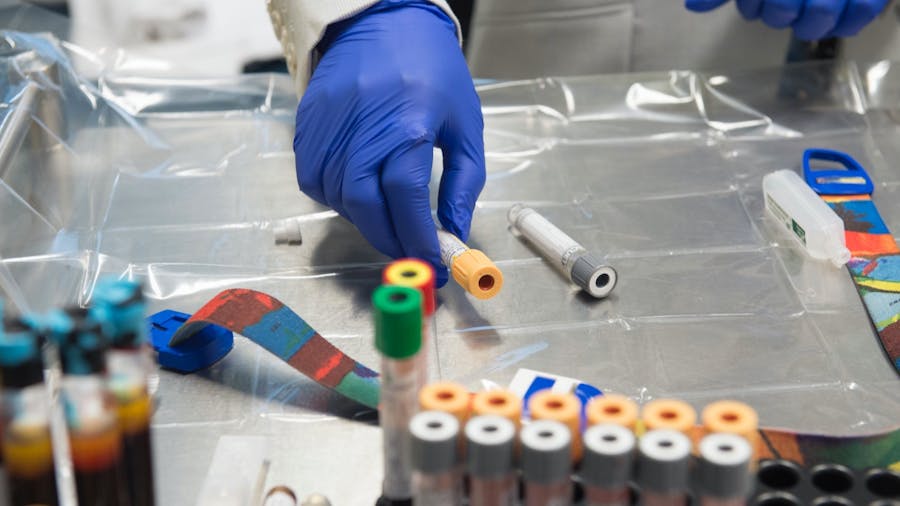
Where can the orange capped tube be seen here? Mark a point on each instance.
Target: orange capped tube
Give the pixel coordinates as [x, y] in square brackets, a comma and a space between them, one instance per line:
[732, 417]
[471, 268]
[563, 408]
[445, 396]
[613, 409]
[669, 414]
[498, 402]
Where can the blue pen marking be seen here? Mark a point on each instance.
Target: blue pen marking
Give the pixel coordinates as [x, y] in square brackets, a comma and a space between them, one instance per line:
[585, 393]
[539, 383]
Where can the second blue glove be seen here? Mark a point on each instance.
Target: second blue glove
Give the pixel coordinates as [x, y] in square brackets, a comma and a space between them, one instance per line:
[810, 19]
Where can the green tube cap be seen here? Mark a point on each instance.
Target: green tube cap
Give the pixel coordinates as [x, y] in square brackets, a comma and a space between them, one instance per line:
[398, 320]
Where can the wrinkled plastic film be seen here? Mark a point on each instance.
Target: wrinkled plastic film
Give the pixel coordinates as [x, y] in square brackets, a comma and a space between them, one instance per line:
[179, 184]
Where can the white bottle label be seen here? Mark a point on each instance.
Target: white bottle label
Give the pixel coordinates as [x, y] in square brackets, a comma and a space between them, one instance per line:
[788, 221]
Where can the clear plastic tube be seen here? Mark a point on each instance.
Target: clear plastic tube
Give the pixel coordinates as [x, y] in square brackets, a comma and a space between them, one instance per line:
[119, 309]
[417, 274]
[602, 496]
[563, 252]
[546, 463]
[663, 499]
[663, 468]
[129, 370]
[435, 459]
[607, 463]
[428, 362]
[718, 501]
[495, 491]
[25, 419]
[398, 405]
[95, 441]
[552, 243]
[490, 443]
[27, 446]
[437, 489]
[724, 470]
[548, 494]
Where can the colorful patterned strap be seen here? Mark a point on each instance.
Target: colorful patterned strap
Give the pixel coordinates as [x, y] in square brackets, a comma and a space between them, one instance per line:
[875, 257]
[269, 323]
[858, 452]
[875, 266]
[274, 326]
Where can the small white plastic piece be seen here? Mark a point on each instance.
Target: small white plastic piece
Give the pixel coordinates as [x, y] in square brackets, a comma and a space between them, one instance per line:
[234, 469]
[791, 202]
[287, 231]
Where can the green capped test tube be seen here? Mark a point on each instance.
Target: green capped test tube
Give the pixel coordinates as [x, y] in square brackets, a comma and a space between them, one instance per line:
[398, 337]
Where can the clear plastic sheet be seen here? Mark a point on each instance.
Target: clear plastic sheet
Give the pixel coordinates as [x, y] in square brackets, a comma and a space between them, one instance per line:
[180, 183]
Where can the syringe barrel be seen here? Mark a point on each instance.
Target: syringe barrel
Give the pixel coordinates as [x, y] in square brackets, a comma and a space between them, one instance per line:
[555, 245]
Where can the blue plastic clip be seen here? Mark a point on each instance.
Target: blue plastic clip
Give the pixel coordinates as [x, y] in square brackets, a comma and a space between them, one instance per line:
[199, 351]
[852, 180]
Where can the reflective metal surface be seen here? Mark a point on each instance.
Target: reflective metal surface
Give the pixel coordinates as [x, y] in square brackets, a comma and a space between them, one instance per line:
[179, 184]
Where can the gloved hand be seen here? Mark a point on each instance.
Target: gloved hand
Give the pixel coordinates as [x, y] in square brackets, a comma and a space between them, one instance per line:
[811, 19]
[391, 85]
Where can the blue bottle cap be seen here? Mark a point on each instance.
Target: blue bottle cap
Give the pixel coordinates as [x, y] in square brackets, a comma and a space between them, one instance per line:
[83, 350]
[119, 306]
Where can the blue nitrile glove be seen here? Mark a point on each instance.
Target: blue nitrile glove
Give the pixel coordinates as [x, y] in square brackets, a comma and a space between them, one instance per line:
[391, 85]
[810, 19]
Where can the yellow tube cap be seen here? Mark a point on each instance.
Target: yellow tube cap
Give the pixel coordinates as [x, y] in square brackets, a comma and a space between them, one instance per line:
[475, 272]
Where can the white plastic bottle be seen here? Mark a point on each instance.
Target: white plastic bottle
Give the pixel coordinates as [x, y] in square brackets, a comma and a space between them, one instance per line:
[792, 203]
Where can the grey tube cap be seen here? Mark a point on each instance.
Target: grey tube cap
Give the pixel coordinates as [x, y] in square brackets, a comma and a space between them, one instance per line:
[434, 441]
[490, 446]
[663, 461]
[546, 451]
[608, 455]
[593, 276]
[725, 466]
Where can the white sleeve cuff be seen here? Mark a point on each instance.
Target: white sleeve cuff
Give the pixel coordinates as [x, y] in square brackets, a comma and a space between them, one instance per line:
[300, 25]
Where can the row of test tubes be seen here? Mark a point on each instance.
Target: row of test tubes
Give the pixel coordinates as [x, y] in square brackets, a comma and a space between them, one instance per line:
[473, 449]
[96, 364]
[435, 435]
